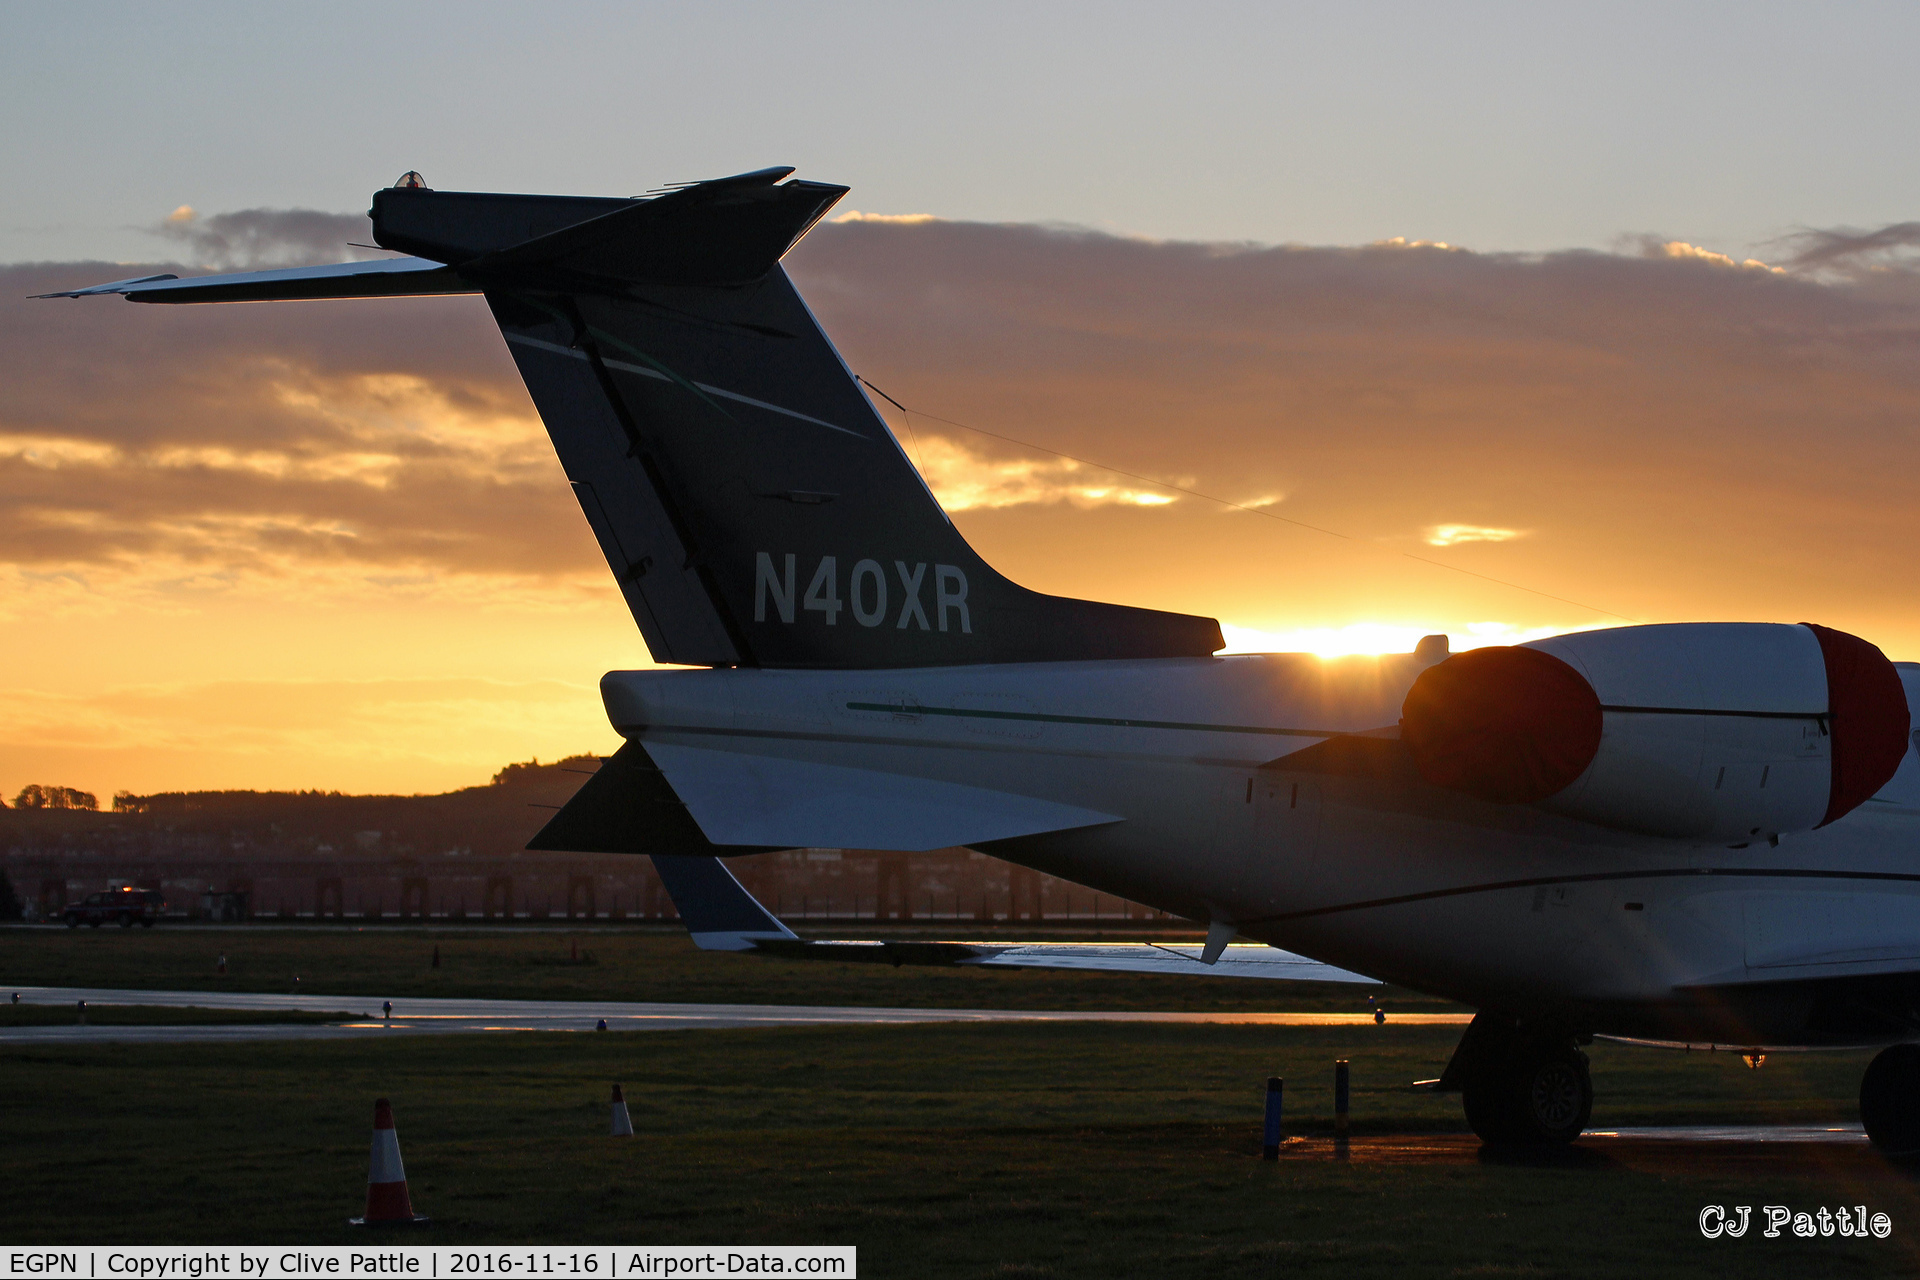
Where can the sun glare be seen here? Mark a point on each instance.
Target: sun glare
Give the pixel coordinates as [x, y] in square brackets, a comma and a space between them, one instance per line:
[1380, 637]
[1449, 535]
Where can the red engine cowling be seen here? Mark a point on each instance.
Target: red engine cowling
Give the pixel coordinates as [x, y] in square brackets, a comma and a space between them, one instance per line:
[1708, 731]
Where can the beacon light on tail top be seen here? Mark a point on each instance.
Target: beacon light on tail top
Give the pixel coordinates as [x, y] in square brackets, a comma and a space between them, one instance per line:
[1705, 832]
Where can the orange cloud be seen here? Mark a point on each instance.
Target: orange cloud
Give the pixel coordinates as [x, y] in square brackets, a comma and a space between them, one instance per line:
[964, 479]
[1452, 535]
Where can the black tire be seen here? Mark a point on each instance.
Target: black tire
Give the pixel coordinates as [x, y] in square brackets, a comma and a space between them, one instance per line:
[1489, 1111]
[1890, 1100]
[1543, 1098]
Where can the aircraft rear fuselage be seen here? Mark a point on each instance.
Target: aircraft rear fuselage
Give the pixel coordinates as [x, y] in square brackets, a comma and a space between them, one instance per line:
[1187, 762]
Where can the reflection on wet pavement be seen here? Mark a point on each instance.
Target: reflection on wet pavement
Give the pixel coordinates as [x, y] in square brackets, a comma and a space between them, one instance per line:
[1730, 1149]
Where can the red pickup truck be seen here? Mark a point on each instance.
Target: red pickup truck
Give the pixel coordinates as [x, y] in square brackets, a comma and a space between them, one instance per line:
[128, 906]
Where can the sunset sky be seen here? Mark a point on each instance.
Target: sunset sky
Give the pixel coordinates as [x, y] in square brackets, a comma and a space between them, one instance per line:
[1613, 305]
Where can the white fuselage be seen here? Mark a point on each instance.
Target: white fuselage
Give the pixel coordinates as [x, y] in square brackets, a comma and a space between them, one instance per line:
[1177, 769]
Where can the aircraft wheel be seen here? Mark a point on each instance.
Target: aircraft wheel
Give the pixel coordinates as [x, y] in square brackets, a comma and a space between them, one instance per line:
[1540, 1098]
[1489, 1114]
[1890, 1100]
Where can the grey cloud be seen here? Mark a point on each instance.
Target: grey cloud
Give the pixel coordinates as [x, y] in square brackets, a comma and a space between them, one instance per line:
[258, 239]
[132, 374]
[237, 437]
[1846, 249]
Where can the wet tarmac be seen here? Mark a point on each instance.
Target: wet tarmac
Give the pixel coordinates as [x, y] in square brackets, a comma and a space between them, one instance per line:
[448, 1016]
[1738, 1133]
[1737, 1151]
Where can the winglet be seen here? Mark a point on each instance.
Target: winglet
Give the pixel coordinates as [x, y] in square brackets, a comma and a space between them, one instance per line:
[719, 913]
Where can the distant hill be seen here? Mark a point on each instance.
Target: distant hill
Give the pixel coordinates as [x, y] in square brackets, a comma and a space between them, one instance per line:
[492, 820]
[462, 855]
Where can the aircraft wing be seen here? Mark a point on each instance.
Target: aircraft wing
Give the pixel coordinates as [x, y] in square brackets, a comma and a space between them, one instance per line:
[722, 916]
[380, 278]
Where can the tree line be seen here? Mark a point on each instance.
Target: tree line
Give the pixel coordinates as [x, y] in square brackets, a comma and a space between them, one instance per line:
[37, 796]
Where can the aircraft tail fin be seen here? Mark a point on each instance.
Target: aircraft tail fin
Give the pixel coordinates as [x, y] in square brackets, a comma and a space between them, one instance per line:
[753, 505]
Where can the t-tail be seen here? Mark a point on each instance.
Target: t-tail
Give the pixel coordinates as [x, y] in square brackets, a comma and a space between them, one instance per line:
[751, 502]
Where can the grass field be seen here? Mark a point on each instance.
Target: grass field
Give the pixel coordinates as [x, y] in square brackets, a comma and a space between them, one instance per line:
[957, 1150]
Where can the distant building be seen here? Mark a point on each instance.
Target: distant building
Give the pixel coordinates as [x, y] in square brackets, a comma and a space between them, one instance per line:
[461, 856]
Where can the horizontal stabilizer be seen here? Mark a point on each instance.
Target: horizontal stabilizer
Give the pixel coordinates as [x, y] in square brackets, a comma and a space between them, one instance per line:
[627, 807]
[740, 799]
[382, 278]
[730, 231]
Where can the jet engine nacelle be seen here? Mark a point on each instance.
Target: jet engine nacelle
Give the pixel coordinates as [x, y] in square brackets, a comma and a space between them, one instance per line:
[1717, 732]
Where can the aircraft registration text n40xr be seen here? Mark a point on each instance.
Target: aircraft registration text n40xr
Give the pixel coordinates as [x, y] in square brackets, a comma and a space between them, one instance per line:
[868, 593]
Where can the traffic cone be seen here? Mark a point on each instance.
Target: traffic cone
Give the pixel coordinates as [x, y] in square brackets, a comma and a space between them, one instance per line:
[387, 1202]
[622, 1122]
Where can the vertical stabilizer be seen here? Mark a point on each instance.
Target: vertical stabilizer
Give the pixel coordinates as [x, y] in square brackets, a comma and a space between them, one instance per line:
[753, 506]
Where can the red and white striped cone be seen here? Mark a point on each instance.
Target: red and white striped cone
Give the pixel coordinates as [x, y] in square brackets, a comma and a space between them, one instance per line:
[622, 1122]
[387, 1202]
